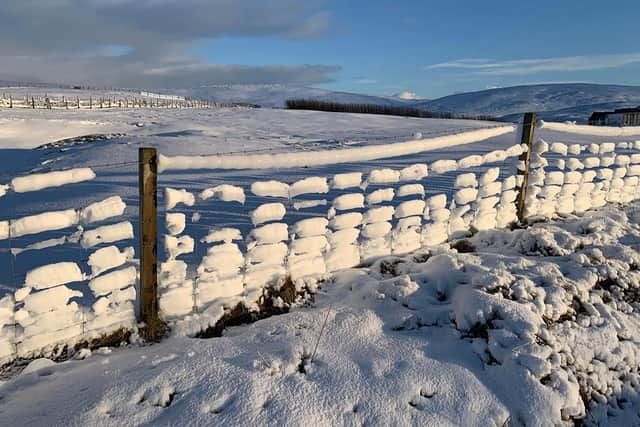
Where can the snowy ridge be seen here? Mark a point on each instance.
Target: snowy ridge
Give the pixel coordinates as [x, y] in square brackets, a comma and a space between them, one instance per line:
[62, 303]
[328, 157]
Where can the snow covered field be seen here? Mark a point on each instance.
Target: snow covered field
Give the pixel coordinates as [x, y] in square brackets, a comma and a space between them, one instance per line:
[435, 337]
[515, 332]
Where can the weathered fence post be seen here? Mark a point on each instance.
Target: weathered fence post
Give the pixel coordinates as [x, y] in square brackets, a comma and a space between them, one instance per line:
[528, 130]
[148, 181]
[10, 101]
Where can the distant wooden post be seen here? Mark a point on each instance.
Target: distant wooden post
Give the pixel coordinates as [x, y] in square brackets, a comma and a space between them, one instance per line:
[148, 178]
[528, 130]
[10, 101]
[33, 103]
[90, 103]
[78, 102]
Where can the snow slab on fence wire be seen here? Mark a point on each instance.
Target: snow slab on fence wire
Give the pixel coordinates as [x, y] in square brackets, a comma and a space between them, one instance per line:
[515, 332]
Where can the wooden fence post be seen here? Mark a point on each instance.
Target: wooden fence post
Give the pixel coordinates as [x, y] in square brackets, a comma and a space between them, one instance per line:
[10, 101]
[528, 131]
[148, 182]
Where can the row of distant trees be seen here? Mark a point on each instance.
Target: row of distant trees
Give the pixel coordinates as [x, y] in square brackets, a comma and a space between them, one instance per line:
[389, 110]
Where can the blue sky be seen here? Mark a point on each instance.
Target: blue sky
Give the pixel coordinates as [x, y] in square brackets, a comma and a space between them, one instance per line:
[377, 46]
[385, 47]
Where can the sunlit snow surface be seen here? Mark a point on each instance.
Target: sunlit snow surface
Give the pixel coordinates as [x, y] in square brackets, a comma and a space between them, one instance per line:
[435, 338]
[395, 350]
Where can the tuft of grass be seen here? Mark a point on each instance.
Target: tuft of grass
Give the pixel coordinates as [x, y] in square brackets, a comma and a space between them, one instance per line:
[463, 246]
[154, 330]
[241, 315]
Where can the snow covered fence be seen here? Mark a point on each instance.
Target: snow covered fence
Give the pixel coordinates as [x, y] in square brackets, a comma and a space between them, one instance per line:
[573, 178]
[313, 226]
[146, 100]
[63, 303]
[307, 228]
[328, 157]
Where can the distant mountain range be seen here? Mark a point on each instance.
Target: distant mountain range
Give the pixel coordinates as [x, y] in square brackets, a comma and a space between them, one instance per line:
[570, 101]
[555, 102]
[566, 101]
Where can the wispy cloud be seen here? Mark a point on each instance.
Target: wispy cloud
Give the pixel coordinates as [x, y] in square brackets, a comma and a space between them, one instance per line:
[488, 67]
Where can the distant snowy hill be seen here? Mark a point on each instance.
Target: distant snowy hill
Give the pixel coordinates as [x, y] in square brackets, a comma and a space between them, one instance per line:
[275, 95]
[573, 101]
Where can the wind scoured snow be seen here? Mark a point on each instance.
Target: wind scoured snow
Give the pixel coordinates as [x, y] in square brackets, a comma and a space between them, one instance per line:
[270, 189]
[411, 190]
[225, 234]
[608, 131]
[348, 201]
[380, 195]
[107, 234]
[113, 281]
[310, 227]
[311, 185]
[342, 181]
[443, 166]
[310, 158]
[345, 221]
[105, 209]
[176, 223]
[52, 275]
[414, 172]
[306, 204]
[173, 197]
[35, 182]
[268, 212]
[46, 221]
[466, 180]
[224, 192]
[383, 176]
[270, 233]
[176, 246]
[105, 259]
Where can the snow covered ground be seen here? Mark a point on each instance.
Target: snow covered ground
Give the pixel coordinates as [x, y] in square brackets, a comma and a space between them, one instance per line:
[500, 335]
[534, 326]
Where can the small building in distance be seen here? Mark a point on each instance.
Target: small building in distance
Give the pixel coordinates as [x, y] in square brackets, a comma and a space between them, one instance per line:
[617, 117]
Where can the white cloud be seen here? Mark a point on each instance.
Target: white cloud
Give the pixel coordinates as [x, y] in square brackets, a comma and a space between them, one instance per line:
[409, 96]
[148, 42]
[533, 66]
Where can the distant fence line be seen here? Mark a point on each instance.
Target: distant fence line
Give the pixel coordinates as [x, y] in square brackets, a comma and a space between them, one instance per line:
[68, 103]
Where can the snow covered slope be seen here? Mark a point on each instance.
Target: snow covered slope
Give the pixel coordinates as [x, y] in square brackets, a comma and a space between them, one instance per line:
[581, 97]
[276, 95]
